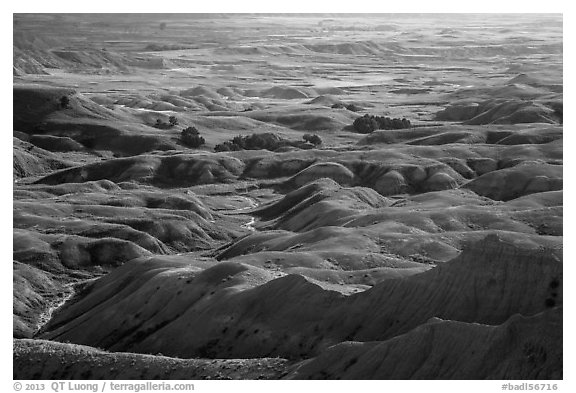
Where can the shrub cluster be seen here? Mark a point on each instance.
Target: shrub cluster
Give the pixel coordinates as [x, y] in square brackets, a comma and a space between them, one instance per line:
[350, 107]
[268, 141]
[64, 102]
[368, 123]
[191, 137]
[172, 121]
[312, 138]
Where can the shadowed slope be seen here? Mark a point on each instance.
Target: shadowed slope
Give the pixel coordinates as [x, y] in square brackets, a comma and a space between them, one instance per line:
[174, 170]
[29, 160]
[520, 180]
[520, 348]
[40, 359]
[34, 291]
[234, 310]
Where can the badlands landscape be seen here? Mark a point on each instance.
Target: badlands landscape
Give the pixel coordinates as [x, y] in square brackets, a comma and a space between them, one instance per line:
[366, 196]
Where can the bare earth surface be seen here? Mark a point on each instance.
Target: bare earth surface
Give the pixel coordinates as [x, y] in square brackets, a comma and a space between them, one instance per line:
[432, 251]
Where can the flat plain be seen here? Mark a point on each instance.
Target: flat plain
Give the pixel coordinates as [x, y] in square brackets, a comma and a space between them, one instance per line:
[287, 196]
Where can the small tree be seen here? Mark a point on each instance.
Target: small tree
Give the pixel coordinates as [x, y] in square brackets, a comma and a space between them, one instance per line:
[173, 121]
[191, 137]
[353, 108]
[222, 147]
[64, 102]
[190, 131]
[239, 141]
[313, 139]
